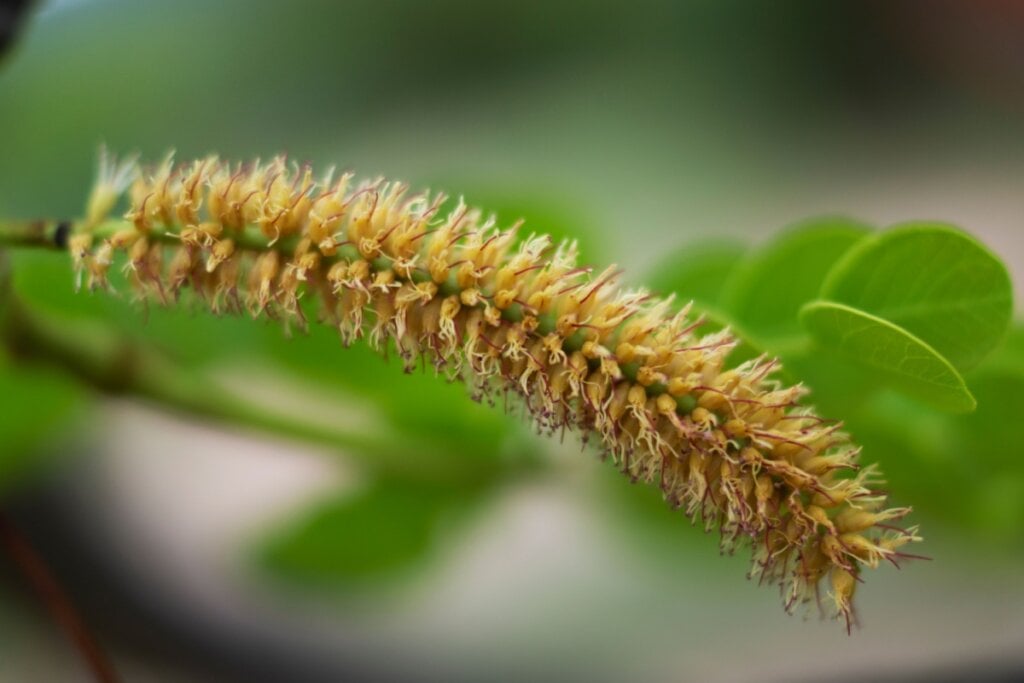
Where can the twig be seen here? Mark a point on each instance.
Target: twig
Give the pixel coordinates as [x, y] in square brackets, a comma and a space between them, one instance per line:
[38, 233]
[56, 600]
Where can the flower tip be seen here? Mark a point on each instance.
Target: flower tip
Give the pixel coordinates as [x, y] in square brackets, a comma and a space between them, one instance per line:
[112, 180]
[844, 583]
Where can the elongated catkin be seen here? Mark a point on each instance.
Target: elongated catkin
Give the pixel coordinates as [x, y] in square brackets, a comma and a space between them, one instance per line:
[732, 447]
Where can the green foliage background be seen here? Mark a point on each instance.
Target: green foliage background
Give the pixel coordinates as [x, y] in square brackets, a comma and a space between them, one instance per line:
[904, 331]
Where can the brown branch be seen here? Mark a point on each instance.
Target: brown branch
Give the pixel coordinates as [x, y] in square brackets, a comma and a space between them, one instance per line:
[38, 233]
[55, 599]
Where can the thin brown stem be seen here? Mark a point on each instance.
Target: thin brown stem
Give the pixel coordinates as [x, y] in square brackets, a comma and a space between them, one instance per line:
[56, 600]
[39, 233]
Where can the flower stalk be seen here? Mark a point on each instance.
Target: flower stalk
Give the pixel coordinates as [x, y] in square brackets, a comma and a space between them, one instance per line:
[442, 283]
[40, 233]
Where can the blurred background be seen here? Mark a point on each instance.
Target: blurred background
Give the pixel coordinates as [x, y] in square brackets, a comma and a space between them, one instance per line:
[200, 551]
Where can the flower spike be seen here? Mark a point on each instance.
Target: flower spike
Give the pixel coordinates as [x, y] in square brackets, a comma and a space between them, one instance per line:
[733, 447]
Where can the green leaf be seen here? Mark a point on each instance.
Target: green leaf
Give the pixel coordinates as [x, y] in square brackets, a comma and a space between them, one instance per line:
[36, 404]
[766, 292]
[45, 282]
[934, 281]
[997, 511]
[912, 443]
[1009, 356]
[993, 432]
[1014, 345]
[896, 356]
[839, 386]
[697, 272]
[379, 533]
[922, 452]
[440, 415]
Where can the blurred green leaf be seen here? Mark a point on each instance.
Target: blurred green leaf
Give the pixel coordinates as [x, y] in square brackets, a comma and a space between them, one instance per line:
[44, 281]
[992, 433]
[647, 523]
[766, 291]
[963, 468]
[896, 357]
[438, 413]
[697, 272]
[911, 443]
[36, 404]
[1014, 343]
[934, 281]
[379, 533]
[997, 509]
[838, 384]
[420, 402]
[1008, 356]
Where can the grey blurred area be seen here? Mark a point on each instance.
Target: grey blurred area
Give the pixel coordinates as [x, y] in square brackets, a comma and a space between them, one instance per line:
[652, 124]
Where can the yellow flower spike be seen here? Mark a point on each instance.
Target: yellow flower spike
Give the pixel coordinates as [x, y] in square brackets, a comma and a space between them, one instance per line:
[733, 448]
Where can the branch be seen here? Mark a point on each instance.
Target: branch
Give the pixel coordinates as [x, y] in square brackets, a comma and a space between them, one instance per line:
[57, 602]
[38, 233]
